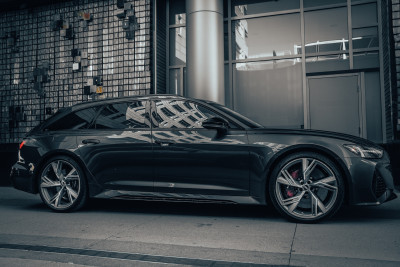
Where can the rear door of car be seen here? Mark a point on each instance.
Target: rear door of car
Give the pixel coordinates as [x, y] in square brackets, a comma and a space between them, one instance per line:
[190, 159]
[117, 149]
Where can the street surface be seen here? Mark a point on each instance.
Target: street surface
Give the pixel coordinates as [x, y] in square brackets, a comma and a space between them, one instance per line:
[136, 233]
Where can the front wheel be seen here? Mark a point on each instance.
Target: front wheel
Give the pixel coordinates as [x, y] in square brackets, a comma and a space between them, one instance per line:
[62, 184]
[306, 187]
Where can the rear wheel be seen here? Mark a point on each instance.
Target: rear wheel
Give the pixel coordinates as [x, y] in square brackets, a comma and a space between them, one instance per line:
[306, 187]
[62, 184]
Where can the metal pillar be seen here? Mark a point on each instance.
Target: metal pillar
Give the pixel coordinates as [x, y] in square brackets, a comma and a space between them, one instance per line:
[205, 50]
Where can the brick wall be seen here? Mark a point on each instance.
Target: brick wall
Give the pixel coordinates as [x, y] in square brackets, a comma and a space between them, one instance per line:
[36, 58]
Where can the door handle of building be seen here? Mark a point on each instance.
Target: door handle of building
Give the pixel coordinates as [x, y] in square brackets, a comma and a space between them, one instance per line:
[91, 141]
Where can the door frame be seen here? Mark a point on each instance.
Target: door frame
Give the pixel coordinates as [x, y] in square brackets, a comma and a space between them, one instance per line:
[361, 100]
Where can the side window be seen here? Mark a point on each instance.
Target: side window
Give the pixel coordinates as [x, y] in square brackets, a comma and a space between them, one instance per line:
[80, 119]
[127, 115]
[181, 114]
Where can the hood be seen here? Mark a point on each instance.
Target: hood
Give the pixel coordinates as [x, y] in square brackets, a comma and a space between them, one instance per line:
[335, 135]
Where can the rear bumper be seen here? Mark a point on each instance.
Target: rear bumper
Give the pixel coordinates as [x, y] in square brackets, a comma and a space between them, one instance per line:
[22, 178]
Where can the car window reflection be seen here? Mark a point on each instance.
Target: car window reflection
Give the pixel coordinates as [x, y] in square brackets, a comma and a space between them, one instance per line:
[123, 116]
[181, 114]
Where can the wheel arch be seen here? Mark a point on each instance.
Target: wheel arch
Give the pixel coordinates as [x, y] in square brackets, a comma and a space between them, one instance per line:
[56, 153]
[315, 149]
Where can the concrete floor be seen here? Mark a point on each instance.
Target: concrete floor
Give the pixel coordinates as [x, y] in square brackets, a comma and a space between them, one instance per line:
[135, 233]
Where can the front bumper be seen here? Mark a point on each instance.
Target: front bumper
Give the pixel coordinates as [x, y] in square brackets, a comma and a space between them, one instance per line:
[22, 178]
[372, 182]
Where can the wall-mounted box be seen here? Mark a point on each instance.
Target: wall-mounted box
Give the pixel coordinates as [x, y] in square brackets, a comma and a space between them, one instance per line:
[120, 3]
[127, 6]
[125, 24]
[130, 13]
[97, 80]
[129, 35]
[121, 15]
[75, 52]
[76, 66]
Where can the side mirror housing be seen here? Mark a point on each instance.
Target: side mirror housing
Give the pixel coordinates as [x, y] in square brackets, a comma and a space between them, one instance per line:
[216, 123]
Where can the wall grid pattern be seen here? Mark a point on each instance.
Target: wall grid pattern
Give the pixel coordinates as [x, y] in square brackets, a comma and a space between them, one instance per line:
[123, 64]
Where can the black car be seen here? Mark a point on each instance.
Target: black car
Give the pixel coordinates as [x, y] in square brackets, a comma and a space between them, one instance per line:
[179, 149]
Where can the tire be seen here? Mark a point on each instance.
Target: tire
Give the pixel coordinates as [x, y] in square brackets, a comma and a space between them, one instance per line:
[62, 184]
[306, 187]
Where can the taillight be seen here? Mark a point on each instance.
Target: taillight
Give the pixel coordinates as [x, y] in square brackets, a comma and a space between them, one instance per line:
[22, 144]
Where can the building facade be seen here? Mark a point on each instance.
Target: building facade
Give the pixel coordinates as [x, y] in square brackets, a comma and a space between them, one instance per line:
[328, 65]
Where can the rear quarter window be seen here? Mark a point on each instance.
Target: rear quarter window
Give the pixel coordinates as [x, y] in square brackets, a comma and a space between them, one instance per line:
[80, 119]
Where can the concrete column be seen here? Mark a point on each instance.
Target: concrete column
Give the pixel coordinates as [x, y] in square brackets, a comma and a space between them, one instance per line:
[205, 50]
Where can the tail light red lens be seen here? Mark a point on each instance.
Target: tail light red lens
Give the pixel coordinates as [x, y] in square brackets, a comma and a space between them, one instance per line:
[22, 144]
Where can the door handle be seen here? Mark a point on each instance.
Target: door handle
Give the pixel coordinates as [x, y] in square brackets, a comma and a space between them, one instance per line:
[163, 143]
[90, 141]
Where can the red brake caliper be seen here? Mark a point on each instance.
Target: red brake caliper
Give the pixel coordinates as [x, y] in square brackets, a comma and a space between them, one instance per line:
[289, 191]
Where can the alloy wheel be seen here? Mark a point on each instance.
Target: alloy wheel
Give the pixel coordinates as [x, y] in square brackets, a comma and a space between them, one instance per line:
[306, 188]
[60, 184]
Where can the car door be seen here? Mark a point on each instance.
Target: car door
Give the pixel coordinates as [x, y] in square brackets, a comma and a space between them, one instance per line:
[190, 159]
[117, 148]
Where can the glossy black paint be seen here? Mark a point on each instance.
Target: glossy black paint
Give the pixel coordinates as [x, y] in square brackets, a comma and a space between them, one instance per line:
[181, 163]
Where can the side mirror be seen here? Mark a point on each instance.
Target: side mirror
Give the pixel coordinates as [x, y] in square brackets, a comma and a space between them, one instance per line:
[216, 123]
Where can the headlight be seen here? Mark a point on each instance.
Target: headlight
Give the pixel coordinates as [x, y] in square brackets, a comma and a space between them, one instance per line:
[367, 152]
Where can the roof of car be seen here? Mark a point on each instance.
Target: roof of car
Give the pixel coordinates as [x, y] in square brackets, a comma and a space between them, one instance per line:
[120, 99]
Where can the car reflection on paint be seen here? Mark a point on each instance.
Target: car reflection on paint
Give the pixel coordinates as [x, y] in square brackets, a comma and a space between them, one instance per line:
[182, 149]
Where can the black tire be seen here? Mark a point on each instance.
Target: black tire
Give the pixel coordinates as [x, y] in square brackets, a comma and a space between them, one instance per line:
[62, 184]
[292, 190]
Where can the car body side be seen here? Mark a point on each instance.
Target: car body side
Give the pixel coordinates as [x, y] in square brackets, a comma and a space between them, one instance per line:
[265, 148]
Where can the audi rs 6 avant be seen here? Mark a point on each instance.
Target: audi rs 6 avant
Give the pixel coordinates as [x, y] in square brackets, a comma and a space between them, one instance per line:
[180, 149]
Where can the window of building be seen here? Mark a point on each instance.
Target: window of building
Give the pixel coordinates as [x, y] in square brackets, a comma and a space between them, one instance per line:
[266, 37]
[177, 46]
[365, 26]
[270, 92]
[326, 30]
[251, 7]
[126, 115]
[318, 3]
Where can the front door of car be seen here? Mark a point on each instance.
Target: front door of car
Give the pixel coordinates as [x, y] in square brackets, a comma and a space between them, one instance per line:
[117, 148]
[192, 161]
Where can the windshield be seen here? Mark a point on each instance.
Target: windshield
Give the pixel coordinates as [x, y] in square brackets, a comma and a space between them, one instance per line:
[246, 121]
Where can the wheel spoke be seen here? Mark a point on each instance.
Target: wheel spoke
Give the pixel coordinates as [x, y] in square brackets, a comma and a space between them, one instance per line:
[315, 204]
[72, 192]
[57, 197]
[56, 168]
[293, 201]
[72, 175]
[287, 179]
[294, 205]
[308, 169]
[47, 182]
[324, 183]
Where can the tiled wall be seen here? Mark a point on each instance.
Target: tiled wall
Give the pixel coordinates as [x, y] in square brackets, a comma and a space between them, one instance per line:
[396, 33]
[33, 47]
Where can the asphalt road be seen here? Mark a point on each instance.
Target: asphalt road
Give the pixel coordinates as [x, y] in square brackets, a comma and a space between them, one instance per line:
[136, 233]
